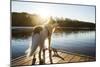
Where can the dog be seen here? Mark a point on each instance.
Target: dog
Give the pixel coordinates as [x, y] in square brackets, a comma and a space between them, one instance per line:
[39, 35]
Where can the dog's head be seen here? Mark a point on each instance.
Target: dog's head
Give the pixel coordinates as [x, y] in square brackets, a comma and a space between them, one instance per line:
[51, 24]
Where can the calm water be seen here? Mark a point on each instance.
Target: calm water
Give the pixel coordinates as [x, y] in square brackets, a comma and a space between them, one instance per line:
[82, 42]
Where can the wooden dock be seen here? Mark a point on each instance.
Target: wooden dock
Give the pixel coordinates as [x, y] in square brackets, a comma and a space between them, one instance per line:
[60, 57]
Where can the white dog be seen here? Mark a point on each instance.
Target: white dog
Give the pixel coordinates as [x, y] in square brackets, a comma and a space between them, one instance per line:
[39, 35]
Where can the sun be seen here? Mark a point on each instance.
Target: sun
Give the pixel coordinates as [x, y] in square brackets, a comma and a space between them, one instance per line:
[44, 13]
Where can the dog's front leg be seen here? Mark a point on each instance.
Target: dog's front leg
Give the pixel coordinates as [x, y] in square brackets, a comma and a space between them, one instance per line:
[50, 50]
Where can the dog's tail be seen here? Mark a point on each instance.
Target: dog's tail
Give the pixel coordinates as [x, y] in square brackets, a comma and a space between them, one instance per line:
[33, 46]
[35, 41]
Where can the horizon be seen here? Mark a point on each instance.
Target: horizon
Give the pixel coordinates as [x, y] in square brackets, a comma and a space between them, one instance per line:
[74, 12]
[54, 17]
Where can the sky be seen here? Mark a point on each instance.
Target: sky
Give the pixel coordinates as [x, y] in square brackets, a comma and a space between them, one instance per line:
[76, 12]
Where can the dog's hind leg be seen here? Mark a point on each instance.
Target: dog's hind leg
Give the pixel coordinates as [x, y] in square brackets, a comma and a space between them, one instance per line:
[40, 59]
[34, 60]
[44, 56]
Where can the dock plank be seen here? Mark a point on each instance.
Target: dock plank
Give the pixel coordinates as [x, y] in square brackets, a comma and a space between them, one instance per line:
[75, 59]
[61, 57]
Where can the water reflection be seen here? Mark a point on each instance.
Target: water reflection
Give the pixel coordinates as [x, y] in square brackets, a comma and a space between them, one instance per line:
[74, 41]
[80, 42]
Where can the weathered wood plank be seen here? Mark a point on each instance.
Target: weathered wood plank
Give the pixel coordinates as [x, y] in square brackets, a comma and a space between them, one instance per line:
[59, 57]
[75, 59]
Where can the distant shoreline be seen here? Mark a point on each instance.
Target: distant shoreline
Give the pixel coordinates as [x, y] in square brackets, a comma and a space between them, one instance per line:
[27, 27]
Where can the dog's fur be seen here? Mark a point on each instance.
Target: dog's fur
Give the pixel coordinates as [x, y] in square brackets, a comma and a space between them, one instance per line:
[39, 35]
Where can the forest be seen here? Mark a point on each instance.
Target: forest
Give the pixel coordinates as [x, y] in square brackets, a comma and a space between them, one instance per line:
[25, 19]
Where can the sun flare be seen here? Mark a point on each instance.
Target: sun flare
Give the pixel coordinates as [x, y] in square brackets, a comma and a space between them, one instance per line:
[44, 13]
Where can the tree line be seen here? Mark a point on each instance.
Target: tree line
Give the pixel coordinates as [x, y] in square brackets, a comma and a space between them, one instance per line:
[26, 19]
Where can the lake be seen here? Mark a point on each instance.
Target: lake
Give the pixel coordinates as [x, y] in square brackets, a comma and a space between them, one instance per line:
[77, 41]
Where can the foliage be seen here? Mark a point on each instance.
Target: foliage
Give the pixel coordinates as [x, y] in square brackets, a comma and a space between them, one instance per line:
[25, 19]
